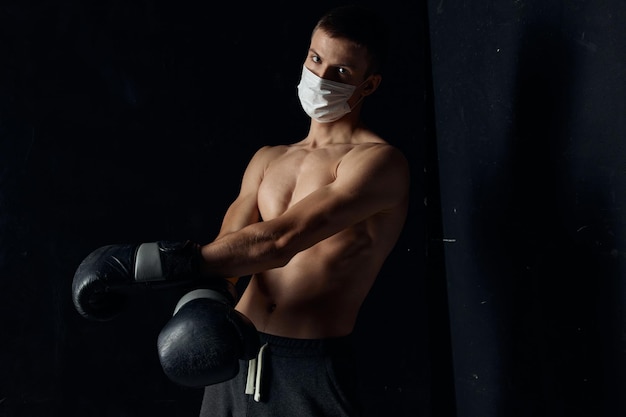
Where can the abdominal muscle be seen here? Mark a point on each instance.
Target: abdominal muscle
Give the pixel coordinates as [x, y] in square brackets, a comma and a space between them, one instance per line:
[318, 293]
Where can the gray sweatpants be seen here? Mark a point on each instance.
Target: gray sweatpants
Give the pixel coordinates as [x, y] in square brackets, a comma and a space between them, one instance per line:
[298, 377]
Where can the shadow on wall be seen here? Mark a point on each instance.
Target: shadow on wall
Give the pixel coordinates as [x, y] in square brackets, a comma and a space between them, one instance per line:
[566, 289]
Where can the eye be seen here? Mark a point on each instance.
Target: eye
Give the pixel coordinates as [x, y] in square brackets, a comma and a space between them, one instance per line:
[315, 58]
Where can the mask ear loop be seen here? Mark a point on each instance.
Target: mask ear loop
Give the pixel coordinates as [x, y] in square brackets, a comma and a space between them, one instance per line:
[357, 102]
[362, 95]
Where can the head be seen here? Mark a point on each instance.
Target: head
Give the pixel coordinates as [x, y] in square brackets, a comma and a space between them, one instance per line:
[363, 27]
[348, 48]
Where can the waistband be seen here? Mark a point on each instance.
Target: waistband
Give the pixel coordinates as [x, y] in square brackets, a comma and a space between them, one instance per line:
[287, 346]
[280, 346]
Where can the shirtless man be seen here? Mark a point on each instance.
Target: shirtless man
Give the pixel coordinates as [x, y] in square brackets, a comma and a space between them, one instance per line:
[312, 225]
[315, 220]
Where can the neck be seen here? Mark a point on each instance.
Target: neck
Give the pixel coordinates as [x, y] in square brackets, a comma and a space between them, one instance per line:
[338, 132]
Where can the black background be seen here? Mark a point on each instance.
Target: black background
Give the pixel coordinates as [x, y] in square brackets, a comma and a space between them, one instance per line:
[132, 121]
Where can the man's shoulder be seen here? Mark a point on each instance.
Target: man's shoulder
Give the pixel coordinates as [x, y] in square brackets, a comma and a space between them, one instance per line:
[373, 144]
[380, 150]
[269, 151]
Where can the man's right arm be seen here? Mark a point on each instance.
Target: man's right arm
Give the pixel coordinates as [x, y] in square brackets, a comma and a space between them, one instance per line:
[244, 209]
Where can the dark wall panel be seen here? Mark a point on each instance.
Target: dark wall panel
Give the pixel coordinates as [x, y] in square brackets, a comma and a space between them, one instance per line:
[529, 107]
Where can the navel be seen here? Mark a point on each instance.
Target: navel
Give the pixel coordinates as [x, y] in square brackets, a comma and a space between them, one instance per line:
[271, 307]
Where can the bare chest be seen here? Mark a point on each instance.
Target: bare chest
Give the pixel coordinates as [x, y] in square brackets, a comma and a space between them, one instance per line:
[294, 175]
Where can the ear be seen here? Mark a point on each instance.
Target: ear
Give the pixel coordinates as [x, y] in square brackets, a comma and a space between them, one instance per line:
[372, 84]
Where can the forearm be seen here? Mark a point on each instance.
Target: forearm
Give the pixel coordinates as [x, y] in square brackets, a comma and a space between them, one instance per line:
[253, 249]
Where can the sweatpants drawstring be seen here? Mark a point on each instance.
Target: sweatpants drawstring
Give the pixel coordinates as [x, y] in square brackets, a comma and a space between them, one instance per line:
[255, 370]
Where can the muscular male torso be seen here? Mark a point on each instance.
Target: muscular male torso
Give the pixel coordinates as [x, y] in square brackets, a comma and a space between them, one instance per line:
[319, 292]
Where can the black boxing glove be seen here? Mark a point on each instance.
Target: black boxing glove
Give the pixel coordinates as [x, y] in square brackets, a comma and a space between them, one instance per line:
[109, 274]
[202, 343]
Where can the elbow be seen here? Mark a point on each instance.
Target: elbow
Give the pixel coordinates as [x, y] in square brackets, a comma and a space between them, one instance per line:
[280, 253]
[282, 249]
[276, 246]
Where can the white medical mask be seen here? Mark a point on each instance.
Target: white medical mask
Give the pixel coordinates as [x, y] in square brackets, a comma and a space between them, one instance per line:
[324, 100]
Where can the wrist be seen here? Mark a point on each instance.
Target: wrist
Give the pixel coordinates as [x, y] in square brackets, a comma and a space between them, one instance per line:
[167, 260]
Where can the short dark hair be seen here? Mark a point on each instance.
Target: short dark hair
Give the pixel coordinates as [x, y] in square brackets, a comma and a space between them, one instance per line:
[361, 25]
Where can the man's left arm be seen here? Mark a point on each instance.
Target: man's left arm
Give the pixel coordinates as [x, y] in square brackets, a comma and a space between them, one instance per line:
[367, 182]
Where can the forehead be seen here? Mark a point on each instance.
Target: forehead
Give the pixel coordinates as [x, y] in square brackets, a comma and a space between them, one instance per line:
[338, 51]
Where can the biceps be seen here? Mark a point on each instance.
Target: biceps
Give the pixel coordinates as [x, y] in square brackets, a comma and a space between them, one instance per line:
[242, 212]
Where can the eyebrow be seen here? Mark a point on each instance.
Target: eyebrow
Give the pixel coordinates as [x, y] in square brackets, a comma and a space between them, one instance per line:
[346, 65]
